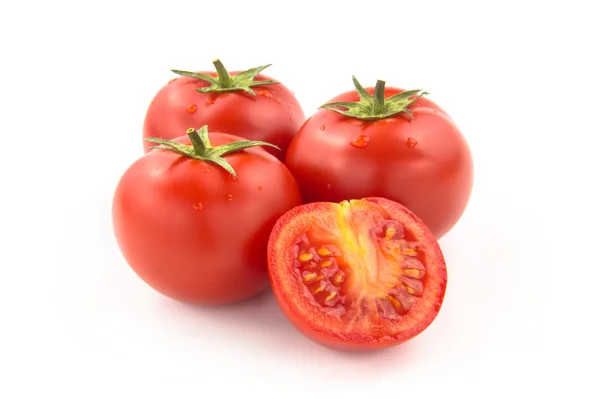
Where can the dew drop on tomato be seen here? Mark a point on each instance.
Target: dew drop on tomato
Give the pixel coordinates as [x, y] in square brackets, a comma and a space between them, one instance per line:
[411, 142]
[172, 80]
[265, 93]
[259, 188]
[229, 198]
[278, 101]
[209, 101]
[360, 141]
[322, 127]
[191, 108]
[198, 206]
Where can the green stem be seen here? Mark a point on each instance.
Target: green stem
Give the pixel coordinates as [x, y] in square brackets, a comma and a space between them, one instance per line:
[224, 77]
[197, 141]
[226, 82]
[378, 98]
[375, 107]
[202, 150]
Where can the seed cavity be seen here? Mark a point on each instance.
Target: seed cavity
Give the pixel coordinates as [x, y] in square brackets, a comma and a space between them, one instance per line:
[319, 270]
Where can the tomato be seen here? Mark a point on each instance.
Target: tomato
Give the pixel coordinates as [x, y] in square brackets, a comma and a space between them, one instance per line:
[356, 275]
[193, 222]
[247, 104]
[385, 142]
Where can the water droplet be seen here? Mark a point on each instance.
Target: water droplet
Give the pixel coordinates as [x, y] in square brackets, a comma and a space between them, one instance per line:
[360, 141]
[322, 127]
[206, 170]
[209, 101]
[172, 80]
[328, 186]
[265, 93]
[410, 142]
[278, 101]
[259, 188]
[191, 108]
[198, 206]
[232, 177]
[152, 102]
[229, 197]
[290, 118]
[290, 106]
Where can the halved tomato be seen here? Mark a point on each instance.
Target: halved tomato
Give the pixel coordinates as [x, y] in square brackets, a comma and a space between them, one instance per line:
[360, 274]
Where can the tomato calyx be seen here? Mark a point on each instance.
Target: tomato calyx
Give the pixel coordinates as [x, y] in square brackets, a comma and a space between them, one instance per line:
[376, 106]
[225, 82]
[201, 148]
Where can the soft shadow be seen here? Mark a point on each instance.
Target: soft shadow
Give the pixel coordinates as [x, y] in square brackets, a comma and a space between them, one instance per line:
[260, 322]
[258, 319]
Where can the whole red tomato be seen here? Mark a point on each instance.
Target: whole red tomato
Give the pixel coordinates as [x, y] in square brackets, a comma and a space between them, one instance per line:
[385, 142]
[356, 275]
[247, 104]
[193, 221]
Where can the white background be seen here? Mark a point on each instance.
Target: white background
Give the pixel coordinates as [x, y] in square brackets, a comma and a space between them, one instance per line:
[521, 311]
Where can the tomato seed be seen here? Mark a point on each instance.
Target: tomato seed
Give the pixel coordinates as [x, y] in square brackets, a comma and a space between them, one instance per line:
[305, 257]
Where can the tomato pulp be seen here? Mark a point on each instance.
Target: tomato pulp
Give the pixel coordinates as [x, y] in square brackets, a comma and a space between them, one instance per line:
[360, 274]
[416, 156]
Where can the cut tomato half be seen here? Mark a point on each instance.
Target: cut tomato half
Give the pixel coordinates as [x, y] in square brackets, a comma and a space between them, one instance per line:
[360, 274]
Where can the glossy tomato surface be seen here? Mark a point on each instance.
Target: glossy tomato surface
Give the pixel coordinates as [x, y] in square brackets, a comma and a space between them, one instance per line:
[357, 275]
[423, 163]
[193, 232]
[272, 115]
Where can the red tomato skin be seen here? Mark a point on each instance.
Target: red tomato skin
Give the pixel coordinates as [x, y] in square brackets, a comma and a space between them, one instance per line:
[273, 115]
[433, 178]
[192, 232]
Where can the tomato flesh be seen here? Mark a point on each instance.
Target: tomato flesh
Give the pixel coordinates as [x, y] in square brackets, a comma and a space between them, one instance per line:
[357, 274]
